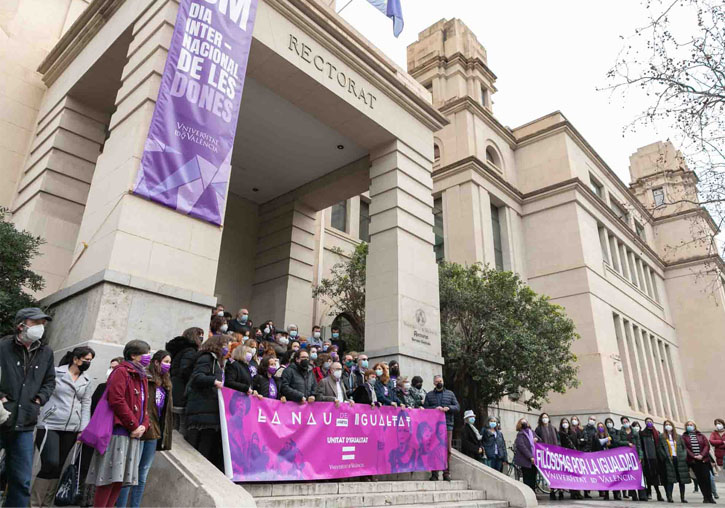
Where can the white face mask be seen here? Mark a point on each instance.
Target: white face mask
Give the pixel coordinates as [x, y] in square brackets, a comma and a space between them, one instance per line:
[220, 313]
[610, 425]
[337, 374]
[326, 365]
[545, 420]
[224, 328]
[33, 333]
[108, 373]
[284, 341]
[266, 330]
[668, 428]
[575, 422]
[564, 425]
[406, 386]
[316, 335]
[719, 426]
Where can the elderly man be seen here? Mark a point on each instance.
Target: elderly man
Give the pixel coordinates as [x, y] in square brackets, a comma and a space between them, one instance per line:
[27, 382]
[331, 388]
[445, 401]
[241, 324]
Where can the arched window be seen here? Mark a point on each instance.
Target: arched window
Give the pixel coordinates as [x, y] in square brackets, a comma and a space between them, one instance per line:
[436, 153]
[492, 157]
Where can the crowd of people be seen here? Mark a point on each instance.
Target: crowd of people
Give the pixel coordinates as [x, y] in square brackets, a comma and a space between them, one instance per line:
[46, 411]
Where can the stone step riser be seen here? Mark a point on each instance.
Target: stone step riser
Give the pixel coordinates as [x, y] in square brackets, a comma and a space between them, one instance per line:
[461, 504]
[368, 499]
[318, 489]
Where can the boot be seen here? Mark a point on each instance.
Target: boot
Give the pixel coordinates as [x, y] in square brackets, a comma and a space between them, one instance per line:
[43, 492]
[617, 495]
[434, 476]
[561, 495]
[659, 495]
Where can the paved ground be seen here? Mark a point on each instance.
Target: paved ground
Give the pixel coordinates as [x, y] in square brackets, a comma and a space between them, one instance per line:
[692, 500]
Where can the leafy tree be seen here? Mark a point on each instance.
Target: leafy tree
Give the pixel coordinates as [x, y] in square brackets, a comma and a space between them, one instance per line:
[345, 291]
[500, 338]
[675, 66]
[17, 249]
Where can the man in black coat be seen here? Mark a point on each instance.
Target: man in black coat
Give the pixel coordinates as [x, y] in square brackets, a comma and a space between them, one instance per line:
[443, 400]
[298, 382]
[241, 323]
[27, 380]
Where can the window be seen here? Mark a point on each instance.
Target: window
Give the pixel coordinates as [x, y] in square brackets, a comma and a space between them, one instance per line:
[639, 228]
[596, 187]
[438, 246]
[436, 153]
[603, 240]
[659, 196]
[484, 96]
[339, 216]
[364, 220]
[619, 210]
[492, 156]
[497, 246]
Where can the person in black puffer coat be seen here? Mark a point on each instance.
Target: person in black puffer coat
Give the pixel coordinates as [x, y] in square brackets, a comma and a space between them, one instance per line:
[183, 351]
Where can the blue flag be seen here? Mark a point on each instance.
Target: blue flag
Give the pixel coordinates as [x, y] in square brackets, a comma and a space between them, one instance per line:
[392, 9]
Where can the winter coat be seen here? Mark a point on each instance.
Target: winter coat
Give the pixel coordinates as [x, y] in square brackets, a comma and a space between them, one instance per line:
[327, 390]
[260, 384]
[26, 375]
[567, 438]
[418, 395]
[523, 451]
[493, 441]
[717, 441]
[406, 398]
[470, 444]
[444, 398]
[596, 446]
[126, 389]
[587, 434]
[386, 393]
[547, 434]
[296, 384]
[183, 353]
[580, 438]
[202, 402]
[237, 327]
[237, 376]
[364, 395]
[160, 426]
[352, 379]
[69, 408]
[627, 438]
[651, 466]
[671, 474]
[704, 448]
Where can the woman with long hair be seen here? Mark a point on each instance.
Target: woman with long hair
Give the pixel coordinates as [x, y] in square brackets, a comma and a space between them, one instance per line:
[546, 433]
[62, 418]
[568, 439]
[384, 388]
[127, 393]
[673, 455]
[158, 434]
[202, 406]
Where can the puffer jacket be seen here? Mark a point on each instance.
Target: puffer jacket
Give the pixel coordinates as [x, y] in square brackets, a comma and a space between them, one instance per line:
[69, 408]
[296, 384]
[183, 355]
[673, 474]
[27, 374]
[202, 406]
[444, 398]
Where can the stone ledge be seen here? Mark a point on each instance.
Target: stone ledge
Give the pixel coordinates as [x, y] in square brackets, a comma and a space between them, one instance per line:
[131, 281]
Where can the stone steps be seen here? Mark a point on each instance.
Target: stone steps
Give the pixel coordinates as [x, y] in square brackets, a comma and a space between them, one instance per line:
[402, 494]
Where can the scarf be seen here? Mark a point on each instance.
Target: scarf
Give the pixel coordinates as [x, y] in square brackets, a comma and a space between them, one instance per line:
[475, 431]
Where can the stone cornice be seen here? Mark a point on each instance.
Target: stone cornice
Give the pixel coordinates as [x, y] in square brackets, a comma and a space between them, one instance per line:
[698, 260]
[467, 103]
[482, 168]
[691, 212]
[685, 173]
[458, 57]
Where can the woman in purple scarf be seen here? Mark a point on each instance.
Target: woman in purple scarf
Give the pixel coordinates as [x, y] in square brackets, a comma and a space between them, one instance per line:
[524, 452]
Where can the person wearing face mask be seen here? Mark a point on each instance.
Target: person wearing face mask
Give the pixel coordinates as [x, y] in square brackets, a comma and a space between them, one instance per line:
[546, 433]
[183, 350]
[673, 455]
[350, 378]
[264, 384]
[524, 452]
[568, 439]
[384, 388]
[337, 340]
[27, 382]
[66, 413]
[218, 326]
[601, 441]
[365, 393]
[402, 391]
[417, 391]
[237, 375]
[322, 364]
[698, 458]
[651, 464]
[331, 389]
[158, 434]
[494, 445]
[202, 406]
[316, 338]
[292, 332]
[281, 342]
[443, 400]
[394, 368]
[218, 310]
[717, 441]
[628, 437]
[127, 393]
[298, 381]
[471, 443]
[241, 323]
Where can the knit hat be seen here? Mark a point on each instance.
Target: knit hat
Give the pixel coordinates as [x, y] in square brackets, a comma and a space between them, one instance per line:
[468, 414]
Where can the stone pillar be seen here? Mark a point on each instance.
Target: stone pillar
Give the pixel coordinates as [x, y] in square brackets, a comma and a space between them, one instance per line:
[467, 224]
[52, 193]
[140, 270]
[284, 265]
[402, 317]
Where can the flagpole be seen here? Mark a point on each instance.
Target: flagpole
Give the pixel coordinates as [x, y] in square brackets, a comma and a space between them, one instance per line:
[343, 7]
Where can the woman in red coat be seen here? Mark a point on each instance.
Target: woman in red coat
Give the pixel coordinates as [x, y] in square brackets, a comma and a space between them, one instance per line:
[127, 393]
[717, 440]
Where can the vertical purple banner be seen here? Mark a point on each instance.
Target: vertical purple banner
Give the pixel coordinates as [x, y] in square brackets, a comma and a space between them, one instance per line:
[187, 157]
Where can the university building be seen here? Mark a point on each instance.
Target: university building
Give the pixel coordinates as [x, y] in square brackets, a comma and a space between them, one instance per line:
[336, 144]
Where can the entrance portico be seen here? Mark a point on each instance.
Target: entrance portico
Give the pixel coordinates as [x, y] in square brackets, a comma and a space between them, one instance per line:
[324, 117]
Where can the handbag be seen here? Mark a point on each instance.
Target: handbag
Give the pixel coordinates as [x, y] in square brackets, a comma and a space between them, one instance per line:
[99, 430]
[69, 489]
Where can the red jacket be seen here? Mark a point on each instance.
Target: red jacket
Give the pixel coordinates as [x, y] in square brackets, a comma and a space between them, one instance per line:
[125, 387]
[718, 443]
[704, 447]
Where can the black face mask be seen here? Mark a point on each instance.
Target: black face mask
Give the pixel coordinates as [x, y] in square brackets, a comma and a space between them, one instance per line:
[84, 366]
[395, 371]
[305, 364]
[418, 386]
[439, 386]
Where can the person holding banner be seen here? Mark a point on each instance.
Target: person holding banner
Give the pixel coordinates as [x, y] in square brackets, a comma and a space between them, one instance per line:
[298, 381]
[202, 407]
[264, 385]
[443, 400]
[568, 439]
[601, 441]
[546, 433]
[384, 388]
[698, 458]
[673, 455]
[628, 437]
[237, 371]
[331, 389]
[524, 452]
[365, 393]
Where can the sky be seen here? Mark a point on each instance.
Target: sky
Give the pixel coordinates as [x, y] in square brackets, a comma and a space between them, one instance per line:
[548, 56]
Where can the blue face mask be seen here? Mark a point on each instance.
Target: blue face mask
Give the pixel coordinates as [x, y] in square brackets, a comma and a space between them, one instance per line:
[313, 356]
[335, 335]
[472, 420]
[690, 428]
[293, 333]
[492, 425]
[244, 318]
[364, 364]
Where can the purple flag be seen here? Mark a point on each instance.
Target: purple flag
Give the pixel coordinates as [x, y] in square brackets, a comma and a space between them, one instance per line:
[266, 440]
[612, 469]
[187, 157]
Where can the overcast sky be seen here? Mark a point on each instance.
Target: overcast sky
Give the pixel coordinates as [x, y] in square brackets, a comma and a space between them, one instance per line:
[548, 55]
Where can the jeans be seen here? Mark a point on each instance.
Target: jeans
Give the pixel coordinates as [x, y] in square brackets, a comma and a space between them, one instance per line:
[18, 466]
[148, 451]
[496, 464]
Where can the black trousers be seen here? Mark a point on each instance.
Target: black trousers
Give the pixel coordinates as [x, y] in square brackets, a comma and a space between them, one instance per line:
[58, 445]
[702, 473]
[208, 442]
[529, 474]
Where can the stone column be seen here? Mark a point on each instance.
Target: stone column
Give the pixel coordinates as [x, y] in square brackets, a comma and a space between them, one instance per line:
[284, 265]
[467, 224]
[402, 317]
[140, 270]
[52, 193]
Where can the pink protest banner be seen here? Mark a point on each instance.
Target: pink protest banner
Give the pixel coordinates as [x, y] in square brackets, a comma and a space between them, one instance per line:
[266, 440]
[612, 469]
